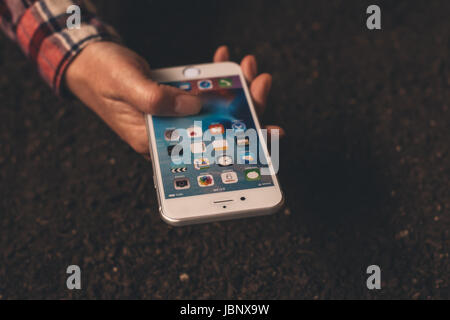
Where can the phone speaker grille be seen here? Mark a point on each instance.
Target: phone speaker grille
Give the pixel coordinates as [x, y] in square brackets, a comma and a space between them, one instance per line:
[223, 201]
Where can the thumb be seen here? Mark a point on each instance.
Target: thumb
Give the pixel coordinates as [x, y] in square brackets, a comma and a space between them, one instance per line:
[161, 100]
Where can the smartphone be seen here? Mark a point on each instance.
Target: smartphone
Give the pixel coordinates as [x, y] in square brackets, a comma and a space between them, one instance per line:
[214, 165]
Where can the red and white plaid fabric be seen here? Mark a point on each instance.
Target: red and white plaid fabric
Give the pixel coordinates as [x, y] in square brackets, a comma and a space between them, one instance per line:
[39, 27]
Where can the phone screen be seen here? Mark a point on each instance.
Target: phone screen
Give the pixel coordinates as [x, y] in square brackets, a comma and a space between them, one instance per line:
[218, 156]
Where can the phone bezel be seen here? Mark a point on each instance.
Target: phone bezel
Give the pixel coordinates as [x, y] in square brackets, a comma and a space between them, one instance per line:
[202, 208]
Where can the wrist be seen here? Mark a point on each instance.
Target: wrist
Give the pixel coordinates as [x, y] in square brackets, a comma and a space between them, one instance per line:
[79, 69]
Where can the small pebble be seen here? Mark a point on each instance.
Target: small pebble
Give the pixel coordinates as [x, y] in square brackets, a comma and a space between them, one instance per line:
[402, 234]
[184, 277]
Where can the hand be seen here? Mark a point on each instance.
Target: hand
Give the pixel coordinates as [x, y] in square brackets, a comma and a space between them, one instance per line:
[259, 85]
[114, 82]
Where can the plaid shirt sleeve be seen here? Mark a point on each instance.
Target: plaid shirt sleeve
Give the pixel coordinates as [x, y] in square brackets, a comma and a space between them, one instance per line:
[39, 27]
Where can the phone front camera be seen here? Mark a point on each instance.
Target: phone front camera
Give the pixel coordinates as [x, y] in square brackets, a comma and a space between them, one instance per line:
[243, 199]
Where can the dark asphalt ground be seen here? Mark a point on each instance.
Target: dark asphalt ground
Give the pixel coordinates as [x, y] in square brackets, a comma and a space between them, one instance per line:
[365, 166]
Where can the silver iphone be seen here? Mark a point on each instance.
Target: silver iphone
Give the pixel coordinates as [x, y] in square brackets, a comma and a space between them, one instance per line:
[214, 165]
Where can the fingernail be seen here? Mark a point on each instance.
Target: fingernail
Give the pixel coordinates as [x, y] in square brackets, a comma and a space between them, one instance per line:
[185, 104]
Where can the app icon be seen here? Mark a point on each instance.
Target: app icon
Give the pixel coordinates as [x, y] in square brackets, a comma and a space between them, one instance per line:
[252, 174]
[181, 184]
[247, 157]
[242, 141]
[198, 147]
[225, 161]
[229, 177]
[194, 132]
[205, 85]
[177, 152]
[216, 129]
[206, 180]
[186, 86]
[201, 163]
[238, 126]
[225, 83]
[220, 145]
[171, 135]
[178, 169]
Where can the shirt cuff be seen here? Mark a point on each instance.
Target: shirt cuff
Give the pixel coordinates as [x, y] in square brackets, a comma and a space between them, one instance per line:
[44, 37]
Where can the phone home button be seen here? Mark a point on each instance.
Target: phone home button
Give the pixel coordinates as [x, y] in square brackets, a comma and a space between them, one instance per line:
[191, 72]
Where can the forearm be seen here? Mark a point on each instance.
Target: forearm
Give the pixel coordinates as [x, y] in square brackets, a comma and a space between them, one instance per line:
[39, 27]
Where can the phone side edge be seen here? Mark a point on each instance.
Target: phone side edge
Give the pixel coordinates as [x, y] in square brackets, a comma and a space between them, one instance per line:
[149, 126]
